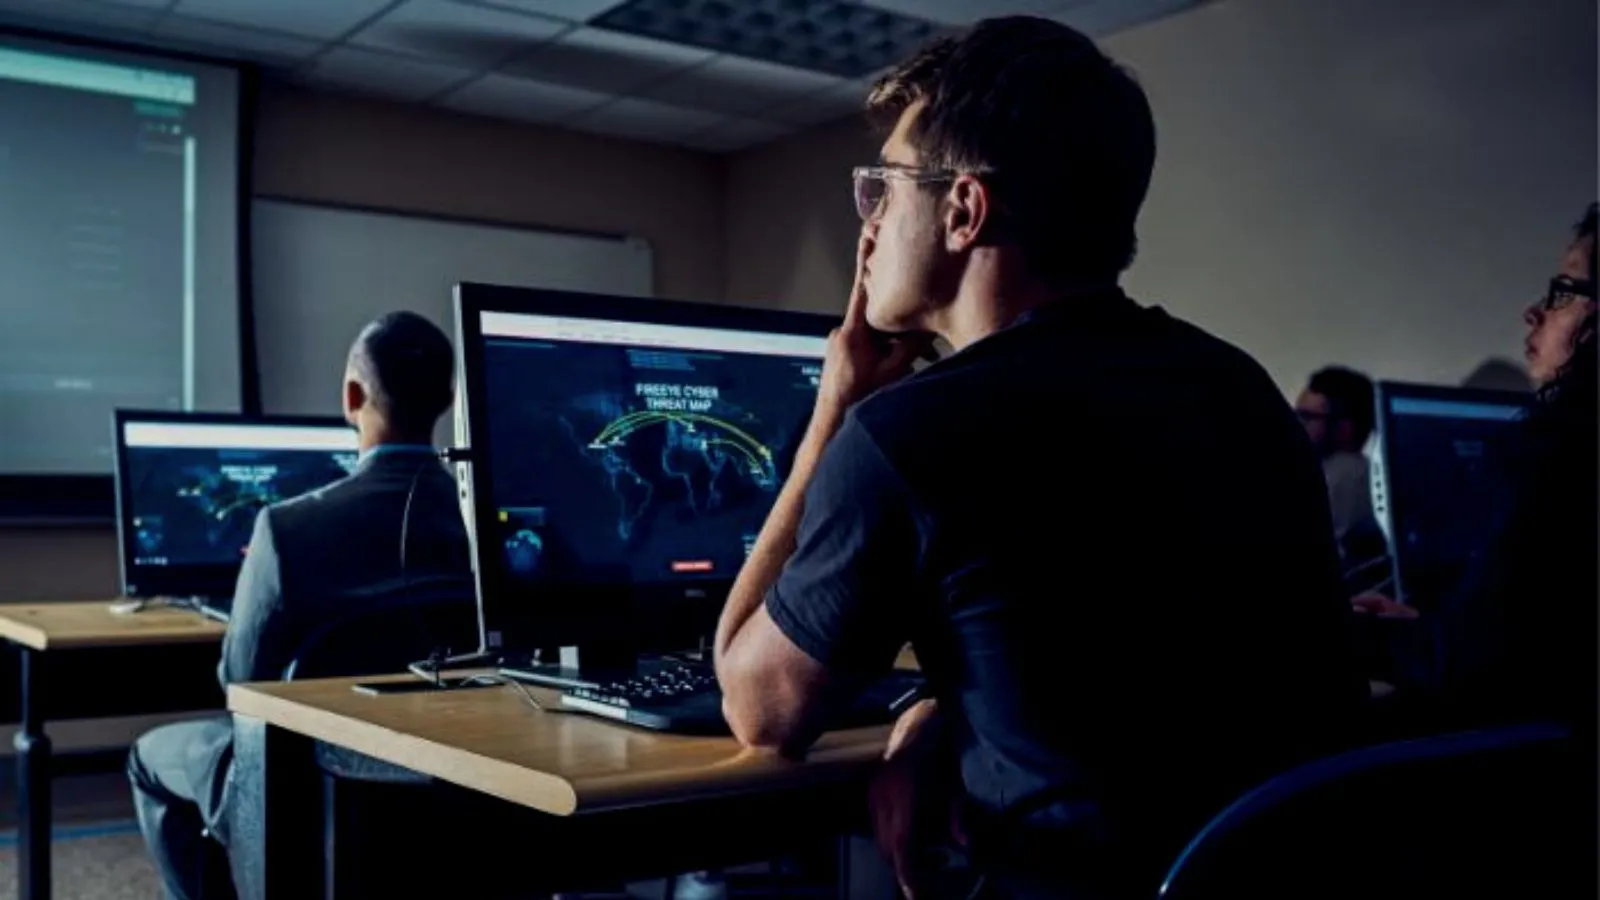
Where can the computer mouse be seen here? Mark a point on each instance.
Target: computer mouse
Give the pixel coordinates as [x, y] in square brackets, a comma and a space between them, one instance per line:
[125, 606]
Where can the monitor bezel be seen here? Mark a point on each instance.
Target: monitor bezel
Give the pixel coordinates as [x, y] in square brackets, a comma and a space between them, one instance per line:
[568, 614]
[181, 581]
[1385, 507]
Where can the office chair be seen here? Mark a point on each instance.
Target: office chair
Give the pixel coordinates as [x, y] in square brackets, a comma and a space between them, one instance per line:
[390, 625]
[1497, 812]
[387, 627]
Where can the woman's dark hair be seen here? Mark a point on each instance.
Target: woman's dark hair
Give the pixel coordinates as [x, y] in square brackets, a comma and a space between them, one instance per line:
[1586, 228]
[1573, 392]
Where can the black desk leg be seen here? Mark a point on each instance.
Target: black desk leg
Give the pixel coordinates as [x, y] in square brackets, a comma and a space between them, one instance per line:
[274, 838]
[841, 875]
[33, 783]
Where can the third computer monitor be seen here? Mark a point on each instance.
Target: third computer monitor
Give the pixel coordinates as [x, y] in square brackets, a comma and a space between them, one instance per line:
[624, 452]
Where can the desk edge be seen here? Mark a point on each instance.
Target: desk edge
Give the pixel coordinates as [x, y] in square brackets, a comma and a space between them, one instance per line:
[24, 634]
[131, 639]
[542, 791]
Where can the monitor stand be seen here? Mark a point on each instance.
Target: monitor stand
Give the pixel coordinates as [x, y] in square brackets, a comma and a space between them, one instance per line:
[587, 665]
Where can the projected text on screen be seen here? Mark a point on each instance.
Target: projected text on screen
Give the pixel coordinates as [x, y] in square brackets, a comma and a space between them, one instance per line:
[120, 270]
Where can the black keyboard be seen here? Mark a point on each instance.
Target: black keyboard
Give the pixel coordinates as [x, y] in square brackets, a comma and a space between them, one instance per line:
[685, 699]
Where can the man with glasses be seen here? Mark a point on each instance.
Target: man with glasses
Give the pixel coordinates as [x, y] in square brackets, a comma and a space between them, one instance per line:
[1102, 530]
[1339, 410]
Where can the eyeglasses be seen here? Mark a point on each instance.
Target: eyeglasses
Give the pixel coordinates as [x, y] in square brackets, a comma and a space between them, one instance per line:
[1564, 291]
[872, 184]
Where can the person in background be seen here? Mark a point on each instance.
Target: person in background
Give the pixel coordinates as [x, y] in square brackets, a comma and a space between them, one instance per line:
[304, 556]
[1338, 409]
[1051, 513]
[1518, 640]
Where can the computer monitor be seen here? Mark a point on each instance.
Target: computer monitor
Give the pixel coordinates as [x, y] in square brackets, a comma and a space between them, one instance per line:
[1442, 472]
[189, 486]
[624, 454]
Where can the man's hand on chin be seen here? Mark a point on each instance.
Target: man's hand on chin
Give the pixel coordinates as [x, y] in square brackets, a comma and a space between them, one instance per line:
[861, 359]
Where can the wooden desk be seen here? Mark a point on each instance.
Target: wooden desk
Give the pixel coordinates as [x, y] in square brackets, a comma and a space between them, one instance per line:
[37, 628]
[62, 626]
[492, 741]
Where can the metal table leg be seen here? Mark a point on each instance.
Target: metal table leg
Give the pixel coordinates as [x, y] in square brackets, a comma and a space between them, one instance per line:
[33, 783]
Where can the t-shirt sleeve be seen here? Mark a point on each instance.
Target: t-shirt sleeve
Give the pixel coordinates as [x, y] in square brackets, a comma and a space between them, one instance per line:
[844, 596]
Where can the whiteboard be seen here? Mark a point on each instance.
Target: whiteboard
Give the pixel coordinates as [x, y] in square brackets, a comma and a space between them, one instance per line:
[321, 272]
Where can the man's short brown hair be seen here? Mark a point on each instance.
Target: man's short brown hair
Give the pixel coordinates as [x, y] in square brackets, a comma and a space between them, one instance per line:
[1064, 134]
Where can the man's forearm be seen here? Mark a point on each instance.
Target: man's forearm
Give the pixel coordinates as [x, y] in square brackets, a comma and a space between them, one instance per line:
[776, 542]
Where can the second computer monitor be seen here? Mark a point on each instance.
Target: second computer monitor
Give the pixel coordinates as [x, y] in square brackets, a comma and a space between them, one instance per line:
[623, 446]
[1446, 464]
[189, 486]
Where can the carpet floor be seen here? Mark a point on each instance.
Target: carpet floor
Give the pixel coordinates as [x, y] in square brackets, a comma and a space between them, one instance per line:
[100, 861]
[96, 853]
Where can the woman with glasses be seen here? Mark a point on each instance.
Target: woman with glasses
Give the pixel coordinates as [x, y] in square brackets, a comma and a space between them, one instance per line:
[1519, 642]
[1562, 322]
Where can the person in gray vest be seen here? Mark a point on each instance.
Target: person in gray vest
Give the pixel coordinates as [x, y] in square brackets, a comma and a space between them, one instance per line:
[306, 556]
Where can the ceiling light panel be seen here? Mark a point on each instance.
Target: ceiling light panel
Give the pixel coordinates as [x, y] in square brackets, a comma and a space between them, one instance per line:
[838, 38]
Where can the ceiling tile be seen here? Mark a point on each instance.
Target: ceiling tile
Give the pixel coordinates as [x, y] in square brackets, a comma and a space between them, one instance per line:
[99, 17]
[571, 10]
[518, 98]
[631, 117]
[606, 61]
[479, 37]
[965, 12]
[237, 43]
[320, 19]
[739, 86]
[384, 74]
[1098, 18]
[827, 105]
[736, 134]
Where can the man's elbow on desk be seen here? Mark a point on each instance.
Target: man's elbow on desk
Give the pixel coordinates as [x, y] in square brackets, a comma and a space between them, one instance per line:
[758, 729]
[760, 712]
[768, 685]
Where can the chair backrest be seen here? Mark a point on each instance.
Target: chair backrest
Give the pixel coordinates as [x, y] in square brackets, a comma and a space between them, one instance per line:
[390, 625]
[1473, 813]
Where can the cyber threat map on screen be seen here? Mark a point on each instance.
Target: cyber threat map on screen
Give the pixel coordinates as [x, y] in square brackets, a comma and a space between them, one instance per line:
[199, 506]
[636, 463]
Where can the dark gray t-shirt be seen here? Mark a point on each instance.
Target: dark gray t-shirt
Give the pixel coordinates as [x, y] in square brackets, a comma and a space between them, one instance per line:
[1107, 538]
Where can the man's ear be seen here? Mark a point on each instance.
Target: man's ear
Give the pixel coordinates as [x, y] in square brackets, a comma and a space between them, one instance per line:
[355, 397]
[966, 213]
